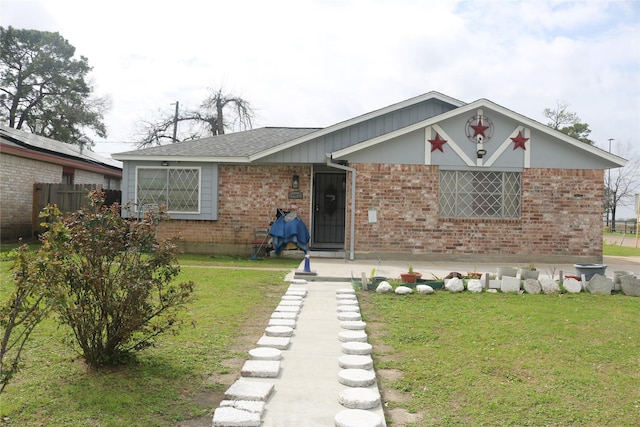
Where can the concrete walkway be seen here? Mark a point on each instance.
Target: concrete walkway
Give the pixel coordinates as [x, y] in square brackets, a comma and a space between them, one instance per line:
[324, 375]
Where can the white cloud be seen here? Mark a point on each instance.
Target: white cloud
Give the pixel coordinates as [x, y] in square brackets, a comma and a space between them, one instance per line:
[315, 63]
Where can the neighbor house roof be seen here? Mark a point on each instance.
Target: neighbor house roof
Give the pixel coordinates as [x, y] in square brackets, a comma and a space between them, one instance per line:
[25, 144]
[238, 145]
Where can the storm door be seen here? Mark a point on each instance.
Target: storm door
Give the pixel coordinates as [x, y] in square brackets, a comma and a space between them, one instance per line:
[329, 212]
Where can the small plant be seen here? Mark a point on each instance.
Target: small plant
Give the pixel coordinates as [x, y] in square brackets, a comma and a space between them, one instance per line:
[532, 267]
[410, 269]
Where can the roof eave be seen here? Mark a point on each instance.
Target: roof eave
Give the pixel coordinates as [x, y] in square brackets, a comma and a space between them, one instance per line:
[175, 158]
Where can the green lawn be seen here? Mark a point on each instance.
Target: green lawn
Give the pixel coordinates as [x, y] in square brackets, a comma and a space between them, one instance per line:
[55, 388]
[507, 359]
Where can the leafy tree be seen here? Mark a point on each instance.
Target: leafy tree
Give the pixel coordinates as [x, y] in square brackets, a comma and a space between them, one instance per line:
[567, 122]
[28, 304]
[118, 280]
[219, 112]
[43, 88]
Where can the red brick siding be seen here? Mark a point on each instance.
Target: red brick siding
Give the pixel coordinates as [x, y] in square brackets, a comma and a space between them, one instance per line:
[561, 214]
[248, 198]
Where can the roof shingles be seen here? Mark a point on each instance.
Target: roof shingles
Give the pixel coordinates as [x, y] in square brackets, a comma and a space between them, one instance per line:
[238, 144]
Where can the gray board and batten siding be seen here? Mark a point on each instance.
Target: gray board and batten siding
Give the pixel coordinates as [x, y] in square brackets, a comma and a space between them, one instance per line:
[314, 151]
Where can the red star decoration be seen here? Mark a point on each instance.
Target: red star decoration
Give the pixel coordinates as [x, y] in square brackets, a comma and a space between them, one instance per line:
[436, 144]
[479, 128]
[519, 141]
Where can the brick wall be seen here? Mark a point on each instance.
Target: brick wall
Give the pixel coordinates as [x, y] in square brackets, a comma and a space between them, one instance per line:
[17, 176]
[248, 197]
[85, 177]
[561, 217]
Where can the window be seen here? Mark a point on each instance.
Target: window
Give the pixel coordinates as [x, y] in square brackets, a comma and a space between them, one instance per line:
[176, 188]
[67, 175]
[470, 194]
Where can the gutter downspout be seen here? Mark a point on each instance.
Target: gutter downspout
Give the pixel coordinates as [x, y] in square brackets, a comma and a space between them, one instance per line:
[352, 231]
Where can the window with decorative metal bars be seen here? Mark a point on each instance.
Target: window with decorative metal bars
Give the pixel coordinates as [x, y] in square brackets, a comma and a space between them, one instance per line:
[474, 194]
[176, 188]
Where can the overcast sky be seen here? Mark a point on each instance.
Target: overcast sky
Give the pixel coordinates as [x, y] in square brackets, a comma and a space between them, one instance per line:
[305, 63]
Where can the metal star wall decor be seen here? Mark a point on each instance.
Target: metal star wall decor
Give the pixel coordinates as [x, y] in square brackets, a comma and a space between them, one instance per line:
[519, 141]
[437, 143]
[479, 129]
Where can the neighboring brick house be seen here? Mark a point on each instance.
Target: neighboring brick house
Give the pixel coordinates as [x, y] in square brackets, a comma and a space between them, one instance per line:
[429, 178]
[27, 159]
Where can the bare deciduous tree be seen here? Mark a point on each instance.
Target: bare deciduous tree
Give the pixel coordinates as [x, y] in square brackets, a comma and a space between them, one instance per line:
[622, 184]
[219, 112]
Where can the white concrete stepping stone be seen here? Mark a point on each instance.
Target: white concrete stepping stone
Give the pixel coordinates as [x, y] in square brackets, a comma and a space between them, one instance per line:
[349, 316]
[245, 405]
[228, 416]
[355, 347]
[296, 293]
[348, 308]
[283, 322]
[288, 308]
[278, 331]
[296, 303]
[355, 361]
[358, 418]
[292, 298]
[356, 325]
[346, 297]
[281, 343]
[265, 353]
[284, 315]
[359, 398]
[260, 368]
[347, 302]
[356, 377]
[249, 390]
[346, 336]
[345, 291]
[299, 281]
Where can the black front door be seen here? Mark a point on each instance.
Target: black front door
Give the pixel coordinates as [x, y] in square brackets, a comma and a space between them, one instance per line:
[329, 210]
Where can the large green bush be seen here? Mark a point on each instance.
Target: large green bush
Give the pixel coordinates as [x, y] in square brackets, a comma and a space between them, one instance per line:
[117, 278]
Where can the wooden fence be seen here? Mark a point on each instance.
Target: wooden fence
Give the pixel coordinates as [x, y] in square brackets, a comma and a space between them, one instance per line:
[68, 197]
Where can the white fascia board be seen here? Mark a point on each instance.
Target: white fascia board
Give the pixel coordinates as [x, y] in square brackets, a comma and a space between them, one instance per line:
[183, 159]
[482, 103]
[356, 120]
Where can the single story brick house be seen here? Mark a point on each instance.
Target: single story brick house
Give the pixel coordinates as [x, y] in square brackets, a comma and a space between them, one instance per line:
[27, 159]
[429, 178]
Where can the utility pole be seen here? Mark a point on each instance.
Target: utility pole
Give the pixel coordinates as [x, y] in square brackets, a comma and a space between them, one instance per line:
[610, 202]
[175, 124]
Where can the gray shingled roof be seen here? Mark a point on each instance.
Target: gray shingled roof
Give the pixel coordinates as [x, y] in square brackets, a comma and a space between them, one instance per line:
[21, 138]
[237, 144]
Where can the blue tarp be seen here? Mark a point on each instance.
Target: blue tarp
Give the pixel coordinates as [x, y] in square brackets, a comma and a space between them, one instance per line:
[289, 229]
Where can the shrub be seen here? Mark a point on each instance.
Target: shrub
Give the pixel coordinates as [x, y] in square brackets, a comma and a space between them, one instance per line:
[117, 279]
[28, 304]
